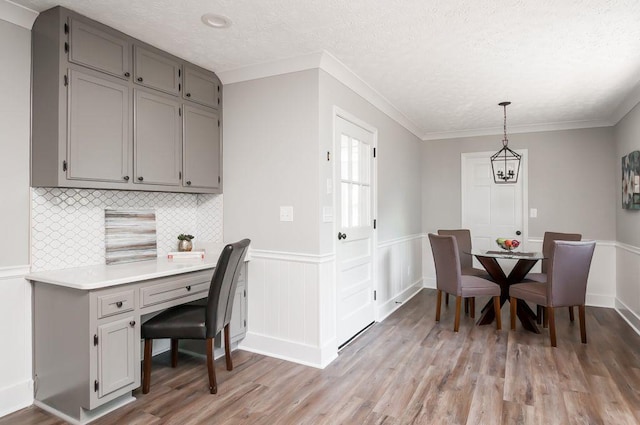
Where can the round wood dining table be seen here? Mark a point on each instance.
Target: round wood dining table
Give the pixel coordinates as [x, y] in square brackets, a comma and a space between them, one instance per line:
[524, 264]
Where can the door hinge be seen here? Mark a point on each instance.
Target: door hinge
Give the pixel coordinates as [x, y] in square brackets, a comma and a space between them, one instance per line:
[245, 293]
[95, 339]
[66, 47]
[64, 165]
[328, 156]
[245, 323]
[180, 111]
[218, 89]
[66, 80]
[179, 175]
[219, 179]
[179, 85]
[374, 152]
[218, 123]
[375, 295]
[375, 223]
[66, 28]
[179, 73]
[96, 385]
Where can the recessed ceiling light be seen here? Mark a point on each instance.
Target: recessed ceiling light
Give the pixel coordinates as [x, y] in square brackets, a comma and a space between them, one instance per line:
[216, 21]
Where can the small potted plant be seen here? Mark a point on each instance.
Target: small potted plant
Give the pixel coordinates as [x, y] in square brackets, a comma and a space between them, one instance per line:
[185, 242]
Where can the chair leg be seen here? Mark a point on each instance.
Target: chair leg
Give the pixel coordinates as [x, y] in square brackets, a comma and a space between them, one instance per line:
[571, 316]
[513, 303]
[227, 347]
[496, 307]
[545, 317]
[552, 326]
[146, 366]
[466, 306]
[472, 307]
[213, 385]
[539, 314]
[583, 324]
[438, 302]
[456, 323]
[446, 298]
[174, 352]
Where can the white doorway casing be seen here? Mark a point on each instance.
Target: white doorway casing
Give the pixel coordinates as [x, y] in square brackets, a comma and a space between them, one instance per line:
[491, 210]
[355, 207]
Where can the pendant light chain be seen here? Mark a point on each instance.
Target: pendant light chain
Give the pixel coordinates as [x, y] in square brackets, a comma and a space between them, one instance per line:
[505, 141]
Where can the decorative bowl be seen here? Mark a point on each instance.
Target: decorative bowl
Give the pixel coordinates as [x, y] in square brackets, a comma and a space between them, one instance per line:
[507, 244]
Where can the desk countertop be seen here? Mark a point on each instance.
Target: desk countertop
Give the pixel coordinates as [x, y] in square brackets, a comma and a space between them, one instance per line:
[103, 276]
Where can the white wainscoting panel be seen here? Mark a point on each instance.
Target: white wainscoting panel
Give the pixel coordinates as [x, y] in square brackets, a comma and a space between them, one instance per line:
[16, 384]
[399, 273]
[628, 284]
[289, 306]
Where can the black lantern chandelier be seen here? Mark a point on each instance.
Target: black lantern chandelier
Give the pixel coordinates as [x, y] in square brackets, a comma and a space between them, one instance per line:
[505, 163]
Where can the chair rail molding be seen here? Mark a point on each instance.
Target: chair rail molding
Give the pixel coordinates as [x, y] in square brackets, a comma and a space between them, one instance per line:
[627, 300]
[14, 271]
[16, 14]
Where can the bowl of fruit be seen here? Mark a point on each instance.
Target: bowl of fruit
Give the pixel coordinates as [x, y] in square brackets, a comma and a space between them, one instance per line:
[508, 244]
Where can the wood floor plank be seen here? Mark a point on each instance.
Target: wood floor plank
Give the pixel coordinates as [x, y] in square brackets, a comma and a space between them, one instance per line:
[408, 369]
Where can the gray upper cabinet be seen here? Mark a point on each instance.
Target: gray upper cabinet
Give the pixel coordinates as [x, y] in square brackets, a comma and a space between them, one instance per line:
[156, 71]
[100, 50]
[202, 148]
[201, 87]
[98, 129]
[157, 139]
[108, 113]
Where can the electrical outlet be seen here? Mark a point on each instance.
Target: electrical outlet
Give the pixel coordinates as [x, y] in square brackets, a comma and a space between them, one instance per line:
[286, 213]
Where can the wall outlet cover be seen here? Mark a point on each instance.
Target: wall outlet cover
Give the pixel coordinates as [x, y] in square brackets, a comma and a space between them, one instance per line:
[286, 213]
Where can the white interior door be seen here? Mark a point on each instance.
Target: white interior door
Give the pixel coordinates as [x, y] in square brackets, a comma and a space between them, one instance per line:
[491, 210]
[354, 222]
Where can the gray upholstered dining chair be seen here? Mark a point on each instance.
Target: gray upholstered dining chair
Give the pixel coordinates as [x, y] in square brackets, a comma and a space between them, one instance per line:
[206, 321]
[449, 278]
[463, 239]
[547, 250]
[566, 284]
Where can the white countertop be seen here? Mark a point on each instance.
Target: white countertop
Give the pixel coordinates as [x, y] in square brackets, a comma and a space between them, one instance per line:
[103, 276]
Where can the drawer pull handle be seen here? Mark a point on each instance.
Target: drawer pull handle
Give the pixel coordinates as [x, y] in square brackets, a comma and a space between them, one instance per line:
[119, 304]
[132, 323]
[189, 288]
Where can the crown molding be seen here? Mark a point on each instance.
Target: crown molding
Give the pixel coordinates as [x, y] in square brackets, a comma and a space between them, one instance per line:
[628, 103]
[16, 14]
[534, 128]
[332, 66]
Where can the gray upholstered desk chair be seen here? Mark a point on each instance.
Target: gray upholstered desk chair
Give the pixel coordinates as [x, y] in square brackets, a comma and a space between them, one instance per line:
[463, 238]
[190, 321]
[449, 278]
[566, 284]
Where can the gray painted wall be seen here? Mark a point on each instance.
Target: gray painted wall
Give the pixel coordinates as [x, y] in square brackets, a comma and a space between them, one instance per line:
[15, 47]
[627, 139]
[398, 163]
[271, 160]
[572, 180]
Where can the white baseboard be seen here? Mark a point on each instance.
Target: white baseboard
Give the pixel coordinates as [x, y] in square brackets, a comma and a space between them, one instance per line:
[396, 302]
[292, 351]
[429, 282]
[16, 397]
[596, 300]
[628, 315]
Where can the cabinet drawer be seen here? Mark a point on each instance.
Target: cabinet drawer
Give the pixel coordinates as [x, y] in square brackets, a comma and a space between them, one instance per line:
[111, 304]
[176, 288]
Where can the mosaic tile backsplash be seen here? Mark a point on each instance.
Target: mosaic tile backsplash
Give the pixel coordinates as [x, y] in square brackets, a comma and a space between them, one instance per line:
[68, 224]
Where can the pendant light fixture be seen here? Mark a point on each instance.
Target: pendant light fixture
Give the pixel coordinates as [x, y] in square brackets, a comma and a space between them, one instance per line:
[505, 163]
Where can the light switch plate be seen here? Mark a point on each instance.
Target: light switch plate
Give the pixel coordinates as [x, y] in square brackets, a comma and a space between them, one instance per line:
[327, 214]
[286, 213]
[533, 213]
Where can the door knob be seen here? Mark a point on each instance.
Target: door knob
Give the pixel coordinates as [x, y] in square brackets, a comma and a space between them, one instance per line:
[518, 232]
[342, 236]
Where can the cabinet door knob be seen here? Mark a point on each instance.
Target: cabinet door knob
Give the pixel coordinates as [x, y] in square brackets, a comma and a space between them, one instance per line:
[140, 79]
[188, 95]
[132, 323]
[189, 288]
[127, 74]
[188, 182]
[119, 304]
[126, 178]
[342, 236]
[140, 178]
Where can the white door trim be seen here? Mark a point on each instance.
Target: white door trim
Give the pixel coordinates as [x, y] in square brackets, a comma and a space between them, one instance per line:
[341, 113]
[524, 176]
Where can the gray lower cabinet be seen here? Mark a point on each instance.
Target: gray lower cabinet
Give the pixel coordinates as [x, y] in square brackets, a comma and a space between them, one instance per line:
[157, 139]
[106, 111]
[202, 148]
[98, 126]
[87, 347]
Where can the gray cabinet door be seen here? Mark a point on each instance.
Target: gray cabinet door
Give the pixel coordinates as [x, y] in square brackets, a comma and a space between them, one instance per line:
[157, 145]
[200, 87]
[99, 49]
[156, 71]
[201, 148]
[116, 355]
[98, 137]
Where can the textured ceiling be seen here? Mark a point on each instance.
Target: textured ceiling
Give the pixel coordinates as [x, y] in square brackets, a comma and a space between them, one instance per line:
[444, 64]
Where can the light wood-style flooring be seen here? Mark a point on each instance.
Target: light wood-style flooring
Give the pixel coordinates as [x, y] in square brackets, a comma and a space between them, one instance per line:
[409, 369]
